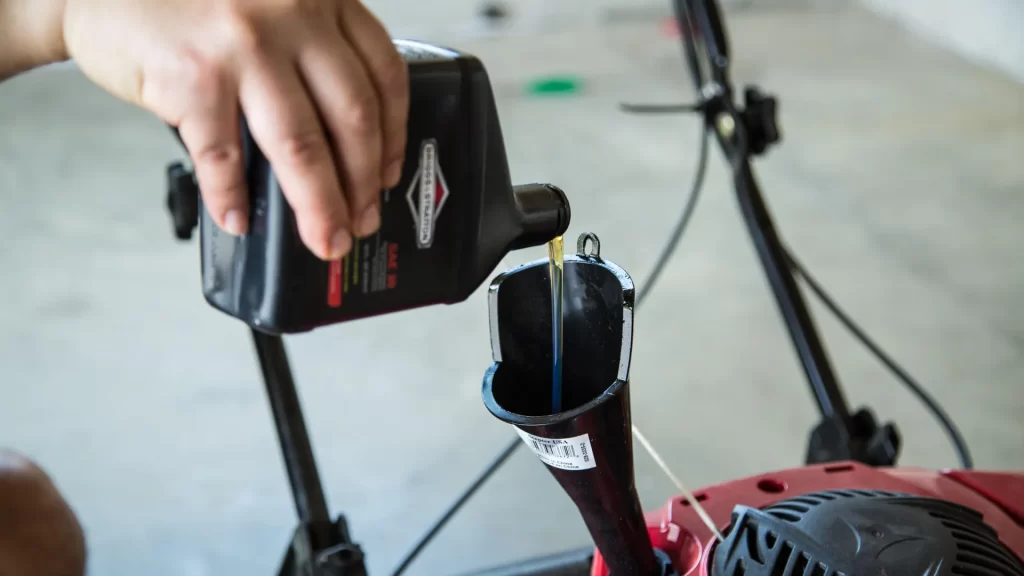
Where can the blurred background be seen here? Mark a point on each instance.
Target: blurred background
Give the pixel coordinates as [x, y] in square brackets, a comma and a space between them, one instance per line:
[899, 183]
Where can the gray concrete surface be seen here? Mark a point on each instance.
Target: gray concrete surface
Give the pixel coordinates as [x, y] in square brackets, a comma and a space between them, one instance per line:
[986, 31]
[898, 183]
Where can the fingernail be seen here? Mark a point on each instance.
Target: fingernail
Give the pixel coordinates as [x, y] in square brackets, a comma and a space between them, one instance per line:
[235, 222]
[393, 174]
[341, 243]
[370, 221]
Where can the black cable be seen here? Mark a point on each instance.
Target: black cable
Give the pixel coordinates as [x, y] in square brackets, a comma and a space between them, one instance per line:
[949, 427]
[686, 23]
[456, 506]
[666, 254]
[963, 453]
[684, 221]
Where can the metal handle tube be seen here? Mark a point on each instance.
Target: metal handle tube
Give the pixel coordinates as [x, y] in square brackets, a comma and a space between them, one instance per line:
[296, 449]
[792, 306]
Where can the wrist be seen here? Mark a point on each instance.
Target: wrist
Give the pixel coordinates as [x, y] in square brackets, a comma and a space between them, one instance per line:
[31, 34]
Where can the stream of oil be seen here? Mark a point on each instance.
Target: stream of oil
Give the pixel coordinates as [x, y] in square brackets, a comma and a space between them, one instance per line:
[555, 269]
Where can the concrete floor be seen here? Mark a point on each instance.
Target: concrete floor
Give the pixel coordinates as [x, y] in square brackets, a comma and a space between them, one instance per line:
[898, 183]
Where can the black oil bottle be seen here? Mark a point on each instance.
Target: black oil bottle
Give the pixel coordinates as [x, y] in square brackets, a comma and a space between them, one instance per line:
[443, 231]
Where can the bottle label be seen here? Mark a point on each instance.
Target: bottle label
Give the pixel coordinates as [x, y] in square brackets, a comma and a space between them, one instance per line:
[410, 260]
[562, 453]
[371, 267]
[427, 195]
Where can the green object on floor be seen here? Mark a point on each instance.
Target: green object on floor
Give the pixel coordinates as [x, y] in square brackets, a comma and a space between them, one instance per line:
[554, 85]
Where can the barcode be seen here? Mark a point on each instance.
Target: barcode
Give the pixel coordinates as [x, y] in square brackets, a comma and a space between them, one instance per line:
[564, 451]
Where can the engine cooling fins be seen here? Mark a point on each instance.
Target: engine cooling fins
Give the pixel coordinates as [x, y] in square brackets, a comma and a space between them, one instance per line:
[862, 532]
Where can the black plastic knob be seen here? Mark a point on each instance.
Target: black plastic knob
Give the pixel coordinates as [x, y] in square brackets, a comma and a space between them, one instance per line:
[182, 200]
[761, 121]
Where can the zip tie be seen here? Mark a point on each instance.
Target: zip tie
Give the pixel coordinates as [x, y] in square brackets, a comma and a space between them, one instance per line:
[701, 512]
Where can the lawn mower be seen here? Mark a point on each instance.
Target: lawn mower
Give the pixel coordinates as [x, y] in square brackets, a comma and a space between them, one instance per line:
[850, 510]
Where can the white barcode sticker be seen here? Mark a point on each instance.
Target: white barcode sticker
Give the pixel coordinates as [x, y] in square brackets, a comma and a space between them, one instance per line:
[563, 453]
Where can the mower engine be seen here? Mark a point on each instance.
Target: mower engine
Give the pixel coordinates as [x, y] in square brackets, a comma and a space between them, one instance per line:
[848, 519]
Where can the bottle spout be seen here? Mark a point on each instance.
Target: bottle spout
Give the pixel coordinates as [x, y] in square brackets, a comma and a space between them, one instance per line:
[587, 446]
[544, 214]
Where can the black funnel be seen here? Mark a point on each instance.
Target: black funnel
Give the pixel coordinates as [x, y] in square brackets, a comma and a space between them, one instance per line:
[588, 446]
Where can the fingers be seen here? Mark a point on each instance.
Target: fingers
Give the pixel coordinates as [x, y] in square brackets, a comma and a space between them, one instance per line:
[211, 134]
[390, 77]
[200, 97]
[348, 106]
[285, 125]
[326, 97]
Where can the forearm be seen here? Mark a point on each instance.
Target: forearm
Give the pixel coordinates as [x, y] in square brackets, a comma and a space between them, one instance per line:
[31, 35]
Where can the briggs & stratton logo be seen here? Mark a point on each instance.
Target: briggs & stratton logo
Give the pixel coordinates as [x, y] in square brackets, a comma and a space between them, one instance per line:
[427, 194]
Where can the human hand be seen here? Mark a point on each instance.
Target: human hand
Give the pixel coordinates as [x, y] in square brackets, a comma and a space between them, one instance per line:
[39, 534]
[323, 90]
